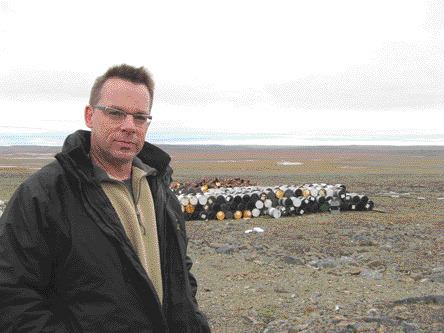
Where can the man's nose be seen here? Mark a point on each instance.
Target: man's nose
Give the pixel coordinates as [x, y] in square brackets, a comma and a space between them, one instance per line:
[128, 123]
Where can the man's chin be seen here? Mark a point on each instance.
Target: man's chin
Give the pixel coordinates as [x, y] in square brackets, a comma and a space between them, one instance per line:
[124, 155]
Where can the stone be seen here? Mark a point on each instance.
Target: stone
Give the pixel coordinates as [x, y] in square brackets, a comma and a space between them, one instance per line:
[281, 290]
[227, 249]
[371, 274]
[279, 326]
[355, 271]
[376, 264]
[346, 260]
[416, 276]
[323, 263]
[438, 269]
[291, 260]
[437, 277]
[215, 245]
[363, 240]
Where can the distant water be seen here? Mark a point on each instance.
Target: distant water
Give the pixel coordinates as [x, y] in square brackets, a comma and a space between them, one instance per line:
[224, 138]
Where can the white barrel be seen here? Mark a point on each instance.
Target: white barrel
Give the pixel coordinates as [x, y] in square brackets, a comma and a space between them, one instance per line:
[314, 192]
[202, 199]
[296, 201]
[274, 212]
[193, 199]
[255, 212]
[259, 204]
[183, 200]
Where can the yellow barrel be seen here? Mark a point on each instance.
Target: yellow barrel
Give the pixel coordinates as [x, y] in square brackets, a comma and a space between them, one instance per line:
[237, 214]
[247, 214]
[220, 215]
[190, 208]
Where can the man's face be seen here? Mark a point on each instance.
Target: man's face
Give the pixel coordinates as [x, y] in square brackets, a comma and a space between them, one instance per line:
[118, 142]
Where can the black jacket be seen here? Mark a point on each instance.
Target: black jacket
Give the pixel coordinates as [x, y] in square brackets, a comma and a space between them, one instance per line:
[66, 264]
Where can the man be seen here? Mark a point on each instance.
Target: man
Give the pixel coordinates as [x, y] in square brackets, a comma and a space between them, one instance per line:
[95, 241]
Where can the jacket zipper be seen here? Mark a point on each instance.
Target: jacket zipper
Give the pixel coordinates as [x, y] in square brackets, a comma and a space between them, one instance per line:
[139, 219]
[136, 204]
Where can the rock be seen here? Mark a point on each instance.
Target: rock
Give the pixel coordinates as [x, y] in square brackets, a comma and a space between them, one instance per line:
[363, 240]
[376, 264]
[371, 274]
[259, 247]
[428, 299]
[373, 312]
[281, 290]
[279, 326]
[416, 276]
[346, 326]
[355, 271]
[410, 327]
[346, 260]
[406, 279]
[437, 277]
[387, 246]
[215, 245]
[227, 249]
[323, 263]
[291, 260]
[438, 269]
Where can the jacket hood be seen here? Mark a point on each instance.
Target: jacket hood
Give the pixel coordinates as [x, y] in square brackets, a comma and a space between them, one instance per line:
[79, 143]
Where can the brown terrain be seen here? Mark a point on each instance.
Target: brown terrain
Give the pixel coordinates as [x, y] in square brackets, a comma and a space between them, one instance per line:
[376, 271]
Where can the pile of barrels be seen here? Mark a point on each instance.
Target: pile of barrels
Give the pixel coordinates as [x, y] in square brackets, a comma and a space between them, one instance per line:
[253, 201]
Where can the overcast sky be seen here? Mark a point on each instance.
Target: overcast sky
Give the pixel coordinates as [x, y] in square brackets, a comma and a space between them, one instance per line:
[351, 71]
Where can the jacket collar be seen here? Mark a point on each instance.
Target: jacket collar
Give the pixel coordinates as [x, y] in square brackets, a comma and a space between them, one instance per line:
[77, 145]
[103, 176]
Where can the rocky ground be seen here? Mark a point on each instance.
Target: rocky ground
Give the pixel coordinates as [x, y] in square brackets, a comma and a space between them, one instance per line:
[348, 272]
[379, 271]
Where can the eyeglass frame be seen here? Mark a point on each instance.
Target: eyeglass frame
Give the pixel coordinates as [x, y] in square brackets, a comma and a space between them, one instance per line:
[147, 121]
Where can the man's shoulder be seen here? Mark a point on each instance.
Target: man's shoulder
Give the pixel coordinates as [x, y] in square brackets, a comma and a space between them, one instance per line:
[42, 187]
[47, 173]
[45, 178]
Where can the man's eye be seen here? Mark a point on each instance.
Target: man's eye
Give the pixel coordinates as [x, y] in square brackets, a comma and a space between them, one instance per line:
[140, 117]
[115, 113]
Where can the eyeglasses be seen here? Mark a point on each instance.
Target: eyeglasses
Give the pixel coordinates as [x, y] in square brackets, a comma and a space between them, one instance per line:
[117, 115]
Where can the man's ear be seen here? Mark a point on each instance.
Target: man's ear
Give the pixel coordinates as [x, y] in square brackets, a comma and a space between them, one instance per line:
[88, 116]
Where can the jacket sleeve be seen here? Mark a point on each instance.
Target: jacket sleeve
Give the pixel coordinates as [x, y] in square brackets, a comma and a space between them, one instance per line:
[204, 326]
[26, 266]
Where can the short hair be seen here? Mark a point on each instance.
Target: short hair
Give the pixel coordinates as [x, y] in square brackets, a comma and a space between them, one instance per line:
[125, 72]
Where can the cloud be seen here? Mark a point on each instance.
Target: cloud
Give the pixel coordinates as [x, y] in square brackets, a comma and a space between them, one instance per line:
[401, 75]
[28, 85]
[178, 94]
[406, 76]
